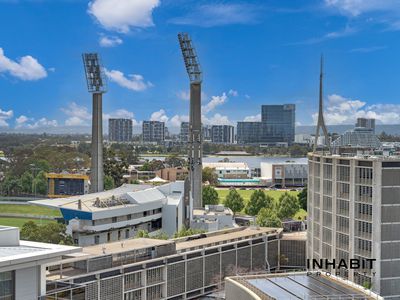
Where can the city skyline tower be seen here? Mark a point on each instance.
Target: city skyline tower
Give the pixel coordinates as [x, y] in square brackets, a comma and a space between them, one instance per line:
[321, 121]
[195, 147]
[96, 84]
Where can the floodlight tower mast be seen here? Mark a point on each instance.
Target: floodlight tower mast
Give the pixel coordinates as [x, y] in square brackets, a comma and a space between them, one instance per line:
[195, 147]
[321, 122]
[96, 84]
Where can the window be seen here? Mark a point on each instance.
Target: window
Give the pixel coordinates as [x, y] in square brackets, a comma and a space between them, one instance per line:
[7, 285]
[97, 239]
[114, 219]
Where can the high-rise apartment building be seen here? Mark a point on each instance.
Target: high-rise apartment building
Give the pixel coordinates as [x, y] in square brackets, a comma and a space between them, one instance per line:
[353, 213]
[366, 123]
[222, 134]
[206, 130]
[120, 130]
[277, 126]
[153, 131]
[184, 134]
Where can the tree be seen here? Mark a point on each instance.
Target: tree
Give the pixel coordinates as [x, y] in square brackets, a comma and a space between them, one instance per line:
[257, 201]
[210, 196]
[234, 201]
[108, 182]
[26, 182]
[288, 206]
[53, 233]
[173, 161]
[210, 176]
[302, 197]
[268, 218]
[187, 232]
[40, 183]
[114, 166]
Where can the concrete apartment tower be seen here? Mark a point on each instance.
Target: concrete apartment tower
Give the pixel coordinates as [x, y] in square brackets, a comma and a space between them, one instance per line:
[97, 86]
[195, 144]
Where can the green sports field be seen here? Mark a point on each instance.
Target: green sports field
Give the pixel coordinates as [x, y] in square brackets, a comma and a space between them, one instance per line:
[246, 194]
[29, 209]
[19, 222]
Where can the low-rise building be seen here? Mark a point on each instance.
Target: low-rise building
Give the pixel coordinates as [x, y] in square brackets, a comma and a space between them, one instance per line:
[173, 174]
[185, 268]
[212, 218]
[23, 266]
[120, 213]
[286, 174]
[229, 170]
[295, 285]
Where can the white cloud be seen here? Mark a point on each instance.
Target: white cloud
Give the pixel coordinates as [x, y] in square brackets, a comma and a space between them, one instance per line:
[214, 102]
[176, 120]
[358, 7]
[43, 122]
[159, 115]
[220, 14]
[77, 115]
[133, 82]
[216, 119]
[123, 15]
[233, 93]
[247, 96]
[341, 110]
[256, 118]
[26, 68]
[110, 41]
[4, 116]
[183, 95]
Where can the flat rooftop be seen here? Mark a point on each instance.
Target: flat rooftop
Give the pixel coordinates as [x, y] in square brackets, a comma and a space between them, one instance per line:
[358, 156]
[296, 235]
[302, 286]
[221, 236]
[124, 246]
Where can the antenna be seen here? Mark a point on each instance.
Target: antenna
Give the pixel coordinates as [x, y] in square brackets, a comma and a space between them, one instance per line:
[321, 122]
[195, 143]
[96, 84]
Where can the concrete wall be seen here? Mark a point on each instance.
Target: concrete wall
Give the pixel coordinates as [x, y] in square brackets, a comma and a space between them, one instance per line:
[236, 291]
[27, 283]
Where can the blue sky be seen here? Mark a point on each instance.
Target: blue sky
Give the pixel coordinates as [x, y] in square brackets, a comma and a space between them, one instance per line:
[251, 53]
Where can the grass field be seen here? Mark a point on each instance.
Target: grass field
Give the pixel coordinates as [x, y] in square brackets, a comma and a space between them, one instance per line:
[18, 222]
[29, 209]
[246, 194]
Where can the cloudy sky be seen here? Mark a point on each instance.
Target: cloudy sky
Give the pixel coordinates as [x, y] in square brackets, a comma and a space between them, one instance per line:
[251, 53]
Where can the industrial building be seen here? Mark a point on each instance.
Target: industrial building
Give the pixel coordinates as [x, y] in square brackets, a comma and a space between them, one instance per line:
[285, 174]
[353, 213]
[23, 266]
[185, 268]
[120, 130]
[65, 185]
[153, 132]
[277, 126]
[120, 213]
[294, 286]
[222, 134]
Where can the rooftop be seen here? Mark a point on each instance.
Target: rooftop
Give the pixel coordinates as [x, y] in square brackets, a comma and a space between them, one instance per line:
[225, 165]
[124, 246]
[125, 195]
[224, 235]
[296, 235]
[365, 155]
[302, 285]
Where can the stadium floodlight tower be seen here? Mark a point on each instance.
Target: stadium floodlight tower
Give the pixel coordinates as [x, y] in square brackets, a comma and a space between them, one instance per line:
[96, 84]
[321, 121]
[195, 149]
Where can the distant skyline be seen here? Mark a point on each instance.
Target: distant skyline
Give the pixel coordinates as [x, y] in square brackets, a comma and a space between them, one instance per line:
[251, 53]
